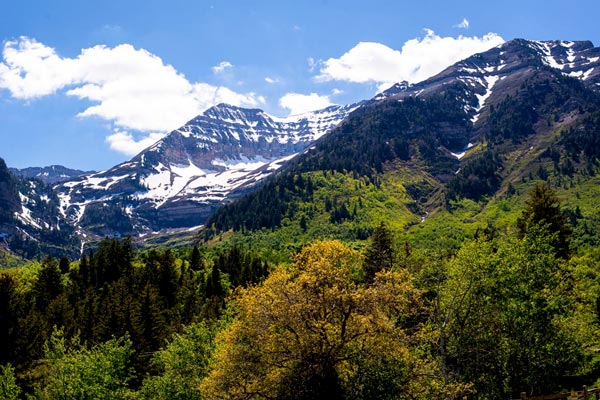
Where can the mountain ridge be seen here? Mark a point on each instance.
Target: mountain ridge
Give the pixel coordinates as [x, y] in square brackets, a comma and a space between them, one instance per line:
[224, 153]
[180, 180]
[465, 136]
[50, 174]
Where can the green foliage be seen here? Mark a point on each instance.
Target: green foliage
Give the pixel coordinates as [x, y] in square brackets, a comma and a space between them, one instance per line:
[9, 260]
[379, 256]
[542, 208]
[479, 177]
[9, 390]
[73, 371]
[501, 317]
[411, 131]
[366, 205]
[313, 332]
[181, 365]
[196, 259]
[8, 316]
[49, 284]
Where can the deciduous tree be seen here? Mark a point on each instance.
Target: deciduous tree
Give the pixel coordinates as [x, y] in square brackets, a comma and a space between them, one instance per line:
[313, 331]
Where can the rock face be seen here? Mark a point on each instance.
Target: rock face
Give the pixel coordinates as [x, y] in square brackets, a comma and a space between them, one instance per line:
[223, 153]
[180, 180]
[9, 195]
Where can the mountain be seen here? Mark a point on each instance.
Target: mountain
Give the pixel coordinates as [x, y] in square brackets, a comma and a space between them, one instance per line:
[30, 222]
[50, 175]
[483, 129]
[476, 130]
[9, 195]
[183, 178]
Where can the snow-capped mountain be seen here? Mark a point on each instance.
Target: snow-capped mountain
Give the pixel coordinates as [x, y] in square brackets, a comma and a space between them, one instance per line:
[181, 179]
[51, 174]
[486, 73]
[221, 154]
[30, 222]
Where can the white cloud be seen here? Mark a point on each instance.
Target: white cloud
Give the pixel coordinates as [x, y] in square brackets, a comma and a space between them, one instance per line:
[464, 24]
[130, 87]
[336, 91]
[299, 103]
[418, 59]
[220, 67]
[270, 80]
[124, 142]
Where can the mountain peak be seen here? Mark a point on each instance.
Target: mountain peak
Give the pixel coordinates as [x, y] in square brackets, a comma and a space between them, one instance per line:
[182, 178]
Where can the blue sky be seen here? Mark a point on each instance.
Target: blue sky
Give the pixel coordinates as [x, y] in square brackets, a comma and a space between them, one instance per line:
[87, 84]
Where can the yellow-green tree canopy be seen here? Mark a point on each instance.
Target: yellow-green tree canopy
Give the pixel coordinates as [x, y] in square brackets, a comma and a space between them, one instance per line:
[314, 331]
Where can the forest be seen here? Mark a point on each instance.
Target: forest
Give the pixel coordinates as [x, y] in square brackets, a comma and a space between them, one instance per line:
[508, 311]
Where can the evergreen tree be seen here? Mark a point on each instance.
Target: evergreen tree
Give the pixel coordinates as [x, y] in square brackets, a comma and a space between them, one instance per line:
[213, 283]
[380, 253]
[167, 277]
[195, 259]
[148, 322]
[48, 285]
[9, 390]
[8, 317]
[63, 265]
[542, 208]
[303, 224]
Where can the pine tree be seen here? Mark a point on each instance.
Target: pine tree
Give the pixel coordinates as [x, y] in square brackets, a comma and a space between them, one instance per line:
[542, 208]
[49, 284]
[380, 253]
[167, 277]
[8, 316]
[195, 259]
[64, 265]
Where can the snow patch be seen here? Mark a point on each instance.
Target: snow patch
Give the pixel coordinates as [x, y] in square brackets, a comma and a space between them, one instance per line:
[490, 82]
[26, 217]
[459, 155]
[548, 58]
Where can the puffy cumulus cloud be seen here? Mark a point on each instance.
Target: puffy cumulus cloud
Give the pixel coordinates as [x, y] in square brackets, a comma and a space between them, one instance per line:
[222, 66]
[418, 59]
[299, 103]
[130, 87]
[124, 142]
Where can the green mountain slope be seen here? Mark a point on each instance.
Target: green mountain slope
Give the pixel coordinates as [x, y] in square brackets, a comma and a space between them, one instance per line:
[398, 160]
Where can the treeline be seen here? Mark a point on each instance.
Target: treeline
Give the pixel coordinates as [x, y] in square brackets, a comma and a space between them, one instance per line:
[412, 130]
[506, 313]
[115, 292]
